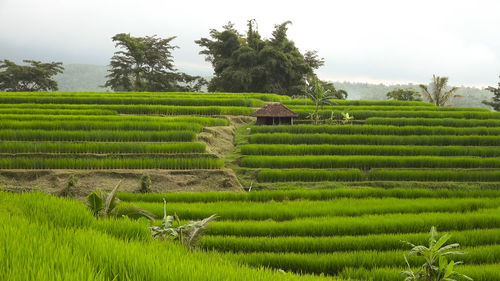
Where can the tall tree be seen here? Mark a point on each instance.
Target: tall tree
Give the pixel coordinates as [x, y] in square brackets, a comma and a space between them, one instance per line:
[34, 76]
[404, 95]
[495, 100]
[438, 92]
[146, 64]
[247, 63]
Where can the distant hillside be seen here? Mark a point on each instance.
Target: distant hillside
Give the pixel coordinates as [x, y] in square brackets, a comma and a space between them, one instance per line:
[89, 78]
[472, 97]
[82, 78]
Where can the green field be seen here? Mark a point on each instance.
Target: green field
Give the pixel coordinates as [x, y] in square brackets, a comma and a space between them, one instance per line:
[328, 201]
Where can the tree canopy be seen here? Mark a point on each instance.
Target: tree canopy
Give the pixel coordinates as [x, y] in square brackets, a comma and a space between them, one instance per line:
[404, 94]
[495, 100]
[248, 63]
[146, 64]
[34, 76]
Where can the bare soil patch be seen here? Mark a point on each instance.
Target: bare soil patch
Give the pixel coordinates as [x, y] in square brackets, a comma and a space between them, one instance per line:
[52, 181]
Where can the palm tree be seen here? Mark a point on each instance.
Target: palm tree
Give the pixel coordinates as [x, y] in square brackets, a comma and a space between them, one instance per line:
[436, 92]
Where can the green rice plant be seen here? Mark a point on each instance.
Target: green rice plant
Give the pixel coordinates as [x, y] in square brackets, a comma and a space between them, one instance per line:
[309, 194]
[270, 175]
[193, 101]
[362, 225]
[368, 162]
[205, 121]
[335, 263]
[69, 188]
[138, 109]
[101, 135]
[483, 272]
[400, 150]
[110, 163]
[285, 138]
[388, 108]
[56, 111]
[376, 130]
[289, 210]
[365, 114]
[34, 248]
[372, 242]
[433, 175]
[145, 184]
[100, 147]
[98, 125]
[364, 103]
[446, 122]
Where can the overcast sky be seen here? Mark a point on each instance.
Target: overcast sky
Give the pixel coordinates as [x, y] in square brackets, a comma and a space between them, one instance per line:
[388, 41]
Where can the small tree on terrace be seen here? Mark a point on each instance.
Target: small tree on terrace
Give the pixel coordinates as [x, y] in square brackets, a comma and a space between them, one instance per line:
[404, 95]
[319, 96]
[437, 92]
[495, 101]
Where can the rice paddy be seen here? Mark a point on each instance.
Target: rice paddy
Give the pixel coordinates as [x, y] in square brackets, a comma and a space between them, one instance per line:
[329, 201]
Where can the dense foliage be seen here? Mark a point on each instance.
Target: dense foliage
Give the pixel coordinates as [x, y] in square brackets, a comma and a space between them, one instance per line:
[495, 100]
[35, 76]
[404, 95]
[248, 63]
[146, 64]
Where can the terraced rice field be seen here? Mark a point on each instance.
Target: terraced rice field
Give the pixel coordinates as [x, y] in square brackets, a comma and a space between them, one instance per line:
[352, 234]
[114, 130]
[389, 141]
[283, 226]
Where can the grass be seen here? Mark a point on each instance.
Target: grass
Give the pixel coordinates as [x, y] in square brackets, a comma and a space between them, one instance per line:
[270, 175]
[290, 210]
[433, 175]
[308, 194]
[395, 150]
[110, 163]
[205, 121]
[46, 238]
[368, 162]
[336, 262]
[97, 135]
[373, 242]
[361, 225]
[100, 147]
[68, 125]
[365, 114]
[377, 130]
[136, 109]
[286, 138]
[447, 122]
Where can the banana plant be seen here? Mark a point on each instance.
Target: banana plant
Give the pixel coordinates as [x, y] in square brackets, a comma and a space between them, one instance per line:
[347, 118]
[436, 266]
[188, 234]
[105, 205]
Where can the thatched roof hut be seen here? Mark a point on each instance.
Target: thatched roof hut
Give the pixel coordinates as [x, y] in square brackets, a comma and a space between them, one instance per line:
[275, 114]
